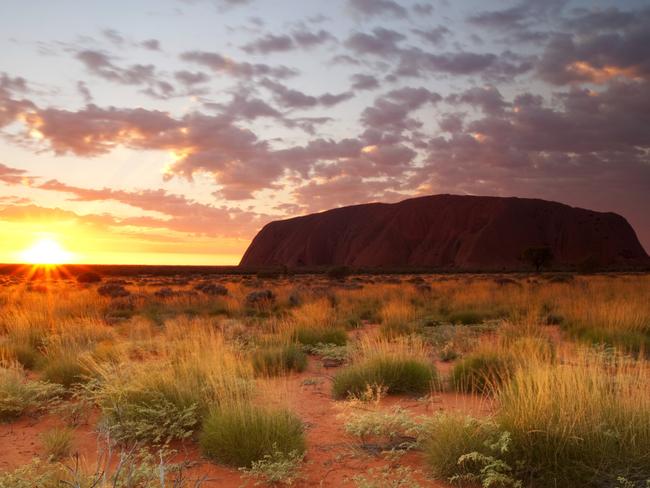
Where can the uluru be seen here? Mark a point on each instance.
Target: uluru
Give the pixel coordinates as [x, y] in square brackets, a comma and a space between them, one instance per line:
[447, 231]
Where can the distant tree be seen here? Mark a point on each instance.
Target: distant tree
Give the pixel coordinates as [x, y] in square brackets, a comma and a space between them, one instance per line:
[539, 257]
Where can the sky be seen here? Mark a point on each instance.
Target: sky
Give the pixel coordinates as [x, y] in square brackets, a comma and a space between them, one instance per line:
[171, 131]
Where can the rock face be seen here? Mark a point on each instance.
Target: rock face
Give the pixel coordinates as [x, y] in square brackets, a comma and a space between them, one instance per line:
[446, 231]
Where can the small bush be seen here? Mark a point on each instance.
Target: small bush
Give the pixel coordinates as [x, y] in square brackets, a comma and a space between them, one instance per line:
[17, 395]
[381, 431]
[277, 360]
[491, 469]
[113, 290]
[35, 474]
[239, 435]
[397, 375]
[331, 354]
[57, 443]
[152, 418]
[481, 372]
[212, 289]
[312, 336]
[275, 469]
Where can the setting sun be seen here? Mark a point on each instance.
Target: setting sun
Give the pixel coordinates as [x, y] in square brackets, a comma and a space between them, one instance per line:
[46, 251]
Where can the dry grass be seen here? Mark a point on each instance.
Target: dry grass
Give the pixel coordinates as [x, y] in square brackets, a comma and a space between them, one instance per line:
[158, 367]
[586, 419]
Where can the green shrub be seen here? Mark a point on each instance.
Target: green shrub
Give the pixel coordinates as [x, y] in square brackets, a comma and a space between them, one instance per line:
[275, 469]
[277, 360]
[57, 443]
[397, 375]
[240, 434]
[148, 417]
[35, 474]
[64, 369]
[481, 372]
[17, 395]
[491, 469]
[330, 353]
[312, 336]
[379, 430]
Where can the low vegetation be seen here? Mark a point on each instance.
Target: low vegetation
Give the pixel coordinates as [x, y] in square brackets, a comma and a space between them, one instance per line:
[276, 360]
[534, 380]
[482, 372]
[241, 434]
[409, 376]
[57, 443]
[18, 395]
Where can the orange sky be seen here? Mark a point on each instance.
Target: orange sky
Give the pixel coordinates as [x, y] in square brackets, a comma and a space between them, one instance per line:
[171, 131]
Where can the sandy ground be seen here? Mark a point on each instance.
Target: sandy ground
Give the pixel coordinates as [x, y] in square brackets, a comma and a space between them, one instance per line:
[333, 457]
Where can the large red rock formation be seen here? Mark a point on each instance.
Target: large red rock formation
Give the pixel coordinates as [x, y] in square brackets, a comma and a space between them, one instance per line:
[446, 231]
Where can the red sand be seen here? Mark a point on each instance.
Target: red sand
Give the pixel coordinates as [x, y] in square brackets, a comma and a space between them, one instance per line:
[332, 459]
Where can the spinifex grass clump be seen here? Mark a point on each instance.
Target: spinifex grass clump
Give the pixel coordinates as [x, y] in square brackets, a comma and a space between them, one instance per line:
[312, 336]
[584, 421]
[397, 375]
[400, 367]
[166, 399]
[611, 318]
[482, 372]
[238, 434]
[355, 307]
[398, 317]
[452, 435]
[57, 443]
[278, 359]
[64, 368]
[315, 323]
[579, 424]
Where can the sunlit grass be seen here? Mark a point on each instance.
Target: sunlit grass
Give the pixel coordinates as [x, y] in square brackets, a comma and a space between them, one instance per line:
[548, 353]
